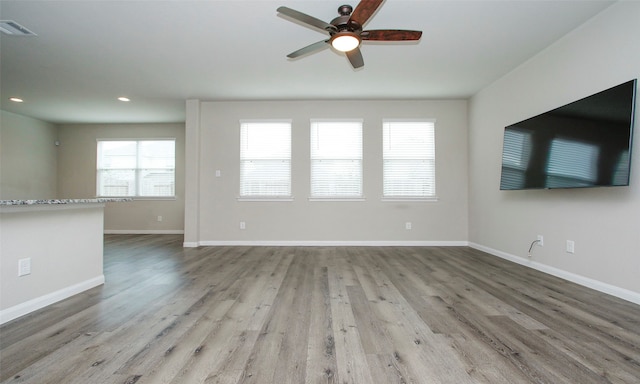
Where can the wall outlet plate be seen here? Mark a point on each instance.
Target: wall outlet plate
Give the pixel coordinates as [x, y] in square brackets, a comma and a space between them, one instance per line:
[24, 266]
[571, 246]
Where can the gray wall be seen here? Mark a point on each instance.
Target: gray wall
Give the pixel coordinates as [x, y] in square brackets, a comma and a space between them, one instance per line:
[28, 158]
[77, 176]
[603, 222]
[213, 134]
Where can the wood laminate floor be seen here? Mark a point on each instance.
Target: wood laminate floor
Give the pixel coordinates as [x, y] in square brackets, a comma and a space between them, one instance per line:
[365, 315]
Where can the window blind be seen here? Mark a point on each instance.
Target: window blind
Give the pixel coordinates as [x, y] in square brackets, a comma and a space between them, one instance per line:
[409, 159]
[265, 159]
[571, 160]
[621, 173]
[516, 154]
[336, 159]
[136, 168]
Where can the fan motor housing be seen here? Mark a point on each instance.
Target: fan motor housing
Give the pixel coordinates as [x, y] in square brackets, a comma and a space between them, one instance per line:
[342, 22]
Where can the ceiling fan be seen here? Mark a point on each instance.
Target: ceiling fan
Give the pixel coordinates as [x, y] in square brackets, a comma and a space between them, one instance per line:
[345, 31]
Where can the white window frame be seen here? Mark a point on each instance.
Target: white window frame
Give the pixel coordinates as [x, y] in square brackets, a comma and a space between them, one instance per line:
[246, 156]
[318, 155]
[138, 170]
[428, 157]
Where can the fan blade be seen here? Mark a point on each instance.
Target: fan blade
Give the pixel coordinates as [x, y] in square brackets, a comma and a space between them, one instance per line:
[355, 57]
[308, 49]
[364, 10]
[306, 19]
[390, 35]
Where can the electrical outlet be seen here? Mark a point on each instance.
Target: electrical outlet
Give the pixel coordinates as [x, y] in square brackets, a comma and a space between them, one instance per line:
[571, 246]
[243, 225]
[24, 266]
[540, 240]
[407, 225]
[159, 218]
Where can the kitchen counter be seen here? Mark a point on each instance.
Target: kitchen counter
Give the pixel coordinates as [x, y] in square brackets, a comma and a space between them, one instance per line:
[63, 201]
[49, 250]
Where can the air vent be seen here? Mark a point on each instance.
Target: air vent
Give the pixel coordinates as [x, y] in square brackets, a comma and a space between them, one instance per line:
[10, 27]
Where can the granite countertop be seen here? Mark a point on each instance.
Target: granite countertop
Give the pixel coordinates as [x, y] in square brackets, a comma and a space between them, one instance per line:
[66, 201]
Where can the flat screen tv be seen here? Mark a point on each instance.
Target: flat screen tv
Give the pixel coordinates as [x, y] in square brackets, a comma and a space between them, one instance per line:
[583, 144]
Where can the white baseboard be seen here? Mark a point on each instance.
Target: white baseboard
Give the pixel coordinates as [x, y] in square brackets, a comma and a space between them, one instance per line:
[143, 232]
[315, 243]
[48, 299]
[609, 289]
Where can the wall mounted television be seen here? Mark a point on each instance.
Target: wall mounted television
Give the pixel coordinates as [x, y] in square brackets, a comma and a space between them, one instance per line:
[583, 144]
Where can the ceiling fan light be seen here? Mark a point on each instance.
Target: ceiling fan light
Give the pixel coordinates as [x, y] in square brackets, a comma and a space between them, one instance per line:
[345, 41]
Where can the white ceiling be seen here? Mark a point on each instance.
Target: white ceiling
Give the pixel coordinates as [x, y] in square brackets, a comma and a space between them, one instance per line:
[161, 53]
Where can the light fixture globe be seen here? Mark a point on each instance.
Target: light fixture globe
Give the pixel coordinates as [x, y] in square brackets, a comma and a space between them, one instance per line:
[345, 41]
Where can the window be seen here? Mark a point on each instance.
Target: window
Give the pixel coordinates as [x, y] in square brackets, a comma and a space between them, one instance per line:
[136, 168]
[265, 159]
[336, 159]
[621, 172]
[515, 158]
[409, 157]
[572, 162]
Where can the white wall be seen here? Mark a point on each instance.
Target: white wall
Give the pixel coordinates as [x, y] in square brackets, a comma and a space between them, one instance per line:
[213, 212]
[603, 222]
[77, 176]
[28, 158]
[64, 243]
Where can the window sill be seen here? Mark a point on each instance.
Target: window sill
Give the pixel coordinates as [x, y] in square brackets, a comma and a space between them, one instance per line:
[265, 198]
[137, 198]
[338, 198]
[395, 199]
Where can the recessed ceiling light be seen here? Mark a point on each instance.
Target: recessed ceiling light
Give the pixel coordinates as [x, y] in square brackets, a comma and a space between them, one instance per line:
[16, 99]
[122, 98]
